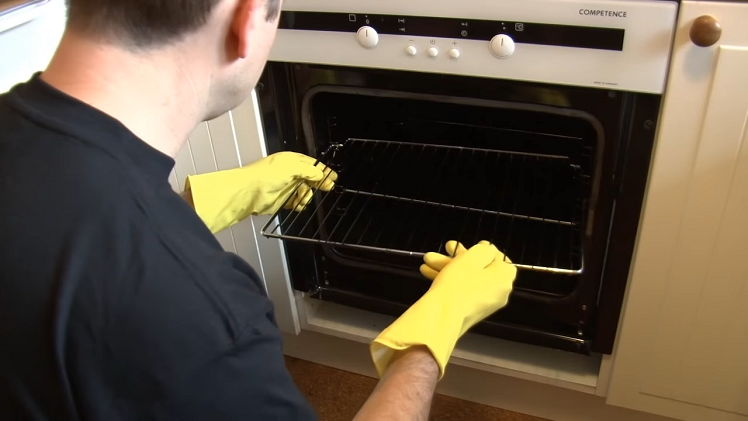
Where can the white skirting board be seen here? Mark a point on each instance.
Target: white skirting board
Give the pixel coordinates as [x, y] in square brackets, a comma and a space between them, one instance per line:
[528, 362]
[514, 394]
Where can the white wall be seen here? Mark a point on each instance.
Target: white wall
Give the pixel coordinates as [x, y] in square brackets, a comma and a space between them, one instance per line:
[28, 38]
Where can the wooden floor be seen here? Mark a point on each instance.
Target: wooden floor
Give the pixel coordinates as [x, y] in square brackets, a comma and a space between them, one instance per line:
[337, 395]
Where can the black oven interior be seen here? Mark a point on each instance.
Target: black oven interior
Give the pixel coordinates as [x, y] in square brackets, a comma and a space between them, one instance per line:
[423, 159]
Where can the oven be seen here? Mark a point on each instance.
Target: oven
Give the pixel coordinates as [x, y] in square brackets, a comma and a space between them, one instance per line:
[528, 124]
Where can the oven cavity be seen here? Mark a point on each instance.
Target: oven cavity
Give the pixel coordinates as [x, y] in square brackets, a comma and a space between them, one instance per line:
[415, 173]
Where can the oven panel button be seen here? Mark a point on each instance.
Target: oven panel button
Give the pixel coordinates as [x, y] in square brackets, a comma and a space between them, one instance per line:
[432, 52]
[367, 36]
[454, 53]
[502, 46]
[411, 50]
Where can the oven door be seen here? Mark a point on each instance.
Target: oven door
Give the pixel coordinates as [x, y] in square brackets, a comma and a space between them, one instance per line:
[424, 158]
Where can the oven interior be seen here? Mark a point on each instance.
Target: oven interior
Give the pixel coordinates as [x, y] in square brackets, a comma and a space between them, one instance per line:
[415, 173]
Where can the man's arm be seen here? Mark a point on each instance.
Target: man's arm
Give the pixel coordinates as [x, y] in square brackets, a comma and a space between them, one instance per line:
[406, 389]
[412, 353]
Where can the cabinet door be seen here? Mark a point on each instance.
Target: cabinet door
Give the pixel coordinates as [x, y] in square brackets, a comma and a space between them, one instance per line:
[682, 349]
[229, 141]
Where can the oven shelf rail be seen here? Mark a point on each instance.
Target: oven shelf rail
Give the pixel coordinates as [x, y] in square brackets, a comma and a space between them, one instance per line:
[408, 199]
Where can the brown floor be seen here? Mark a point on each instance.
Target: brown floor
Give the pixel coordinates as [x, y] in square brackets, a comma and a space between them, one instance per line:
[337, 395]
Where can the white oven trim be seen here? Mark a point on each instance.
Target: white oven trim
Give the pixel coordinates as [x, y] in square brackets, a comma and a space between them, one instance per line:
[641, 67]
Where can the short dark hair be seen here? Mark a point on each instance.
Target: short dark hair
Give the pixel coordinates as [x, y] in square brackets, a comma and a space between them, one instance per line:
[146, 23]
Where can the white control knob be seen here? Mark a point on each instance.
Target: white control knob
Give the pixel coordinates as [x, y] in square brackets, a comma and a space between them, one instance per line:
[502, 46]
[367, 36]
[411, 50]
[432, 52]
[454, 53]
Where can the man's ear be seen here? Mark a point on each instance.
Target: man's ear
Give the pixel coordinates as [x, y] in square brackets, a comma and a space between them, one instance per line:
[243, 24]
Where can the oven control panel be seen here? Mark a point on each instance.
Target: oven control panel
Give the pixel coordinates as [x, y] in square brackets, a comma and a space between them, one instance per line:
[501, 35]
[622, 45]
[501, 46]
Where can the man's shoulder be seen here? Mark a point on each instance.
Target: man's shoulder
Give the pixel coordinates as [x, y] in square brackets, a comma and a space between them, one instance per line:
[54, 166]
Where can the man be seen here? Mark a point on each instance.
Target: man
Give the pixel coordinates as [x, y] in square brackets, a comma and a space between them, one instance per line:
[116, 302]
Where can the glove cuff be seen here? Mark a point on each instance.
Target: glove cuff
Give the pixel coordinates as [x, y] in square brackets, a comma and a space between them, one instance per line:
[429, 323]
[215, 203]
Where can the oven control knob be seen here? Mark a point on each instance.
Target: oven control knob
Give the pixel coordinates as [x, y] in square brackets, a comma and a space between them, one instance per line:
[367, 36]
[502, 46]
[411, 50]
[454, 53]
[432, 52]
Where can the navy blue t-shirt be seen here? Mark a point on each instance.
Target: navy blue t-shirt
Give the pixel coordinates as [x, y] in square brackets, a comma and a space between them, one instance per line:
[116, 302]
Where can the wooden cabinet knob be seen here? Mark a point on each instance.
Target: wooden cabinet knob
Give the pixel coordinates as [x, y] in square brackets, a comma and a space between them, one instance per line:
[705, 31]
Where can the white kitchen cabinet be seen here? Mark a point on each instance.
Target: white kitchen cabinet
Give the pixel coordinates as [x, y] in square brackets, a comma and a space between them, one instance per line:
[682, 349]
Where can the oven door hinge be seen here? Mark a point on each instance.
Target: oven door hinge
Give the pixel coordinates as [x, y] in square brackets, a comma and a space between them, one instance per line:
[315, 291]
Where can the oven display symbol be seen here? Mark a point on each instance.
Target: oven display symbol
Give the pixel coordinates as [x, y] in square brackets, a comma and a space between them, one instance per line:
[351, 18]
[464, 33]
[519, 27]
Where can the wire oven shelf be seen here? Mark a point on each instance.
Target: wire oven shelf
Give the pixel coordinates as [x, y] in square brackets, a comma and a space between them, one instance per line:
[410, 198]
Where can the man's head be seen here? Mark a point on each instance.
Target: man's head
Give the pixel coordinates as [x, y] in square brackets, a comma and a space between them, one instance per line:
[227, 40]
[146, 23]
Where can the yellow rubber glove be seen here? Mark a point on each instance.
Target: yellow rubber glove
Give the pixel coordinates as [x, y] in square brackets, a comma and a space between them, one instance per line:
[469, 288]
[224, 198]
[435, 262]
